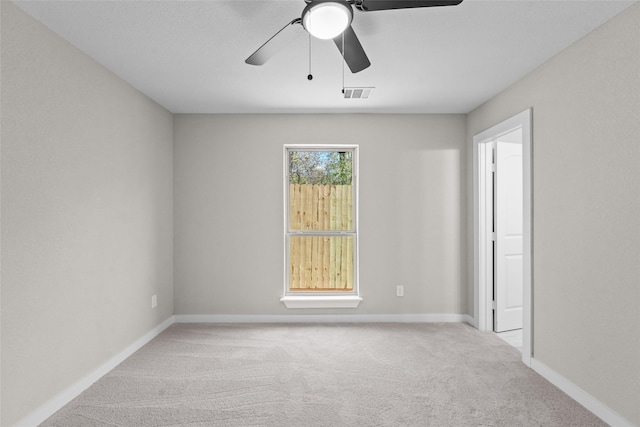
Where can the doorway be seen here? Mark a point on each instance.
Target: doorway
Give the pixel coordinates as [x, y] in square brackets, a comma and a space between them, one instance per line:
[502, 229]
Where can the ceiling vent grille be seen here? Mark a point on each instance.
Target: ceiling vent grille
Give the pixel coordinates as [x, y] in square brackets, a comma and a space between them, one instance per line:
[357, 92]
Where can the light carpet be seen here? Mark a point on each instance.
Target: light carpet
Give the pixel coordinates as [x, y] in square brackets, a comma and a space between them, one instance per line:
[323, 375]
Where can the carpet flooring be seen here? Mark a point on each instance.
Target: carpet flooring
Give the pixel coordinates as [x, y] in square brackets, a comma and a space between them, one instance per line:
[311, 375]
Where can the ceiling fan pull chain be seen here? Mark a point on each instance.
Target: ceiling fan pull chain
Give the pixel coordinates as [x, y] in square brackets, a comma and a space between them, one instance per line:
[343, 62]
[310, 76]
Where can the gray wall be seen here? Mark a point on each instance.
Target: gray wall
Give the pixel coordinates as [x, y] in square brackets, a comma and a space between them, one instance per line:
[586, 196]
[86, 214]
[229, 210]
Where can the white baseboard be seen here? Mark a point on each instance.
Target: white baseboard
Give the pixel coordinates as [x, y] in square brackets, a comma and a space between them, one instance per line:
[323, 318]
[598, 408]
[66, 396]
[473, 322]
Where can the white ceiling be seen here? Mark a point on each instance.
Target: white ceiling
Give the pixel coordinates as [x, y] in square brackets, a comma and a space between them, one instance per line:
[189, 55]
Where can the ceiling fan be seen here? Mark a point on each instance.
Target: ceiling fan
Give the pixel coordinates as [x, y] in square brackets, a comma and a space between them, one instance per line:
[331, 19]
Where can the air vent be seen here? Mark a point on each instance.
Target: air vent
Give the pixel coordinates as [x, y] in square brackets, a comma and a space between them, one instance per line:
[357, 92]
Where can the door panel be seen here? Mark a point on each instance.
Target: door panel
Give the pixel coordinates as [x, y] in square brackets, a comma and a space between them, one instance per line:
[513, 297]
[508, 227]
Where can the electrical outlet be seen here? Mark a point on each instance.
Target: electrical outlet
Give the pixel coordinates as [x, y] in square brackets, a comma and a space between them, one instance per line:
[154, 301]
[399, 291]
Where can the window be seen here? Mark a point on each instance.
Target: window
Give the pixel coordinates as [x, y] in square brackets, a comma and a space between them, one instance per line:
[321, 226]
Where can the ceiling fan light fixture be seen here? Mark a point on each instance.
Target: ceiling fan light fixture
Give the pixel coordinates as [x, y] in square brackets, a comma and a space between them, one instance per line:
[327, 19]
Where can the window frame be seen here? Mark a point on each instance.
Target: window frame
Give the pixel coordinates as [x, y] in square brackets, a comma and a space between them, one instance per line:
[321, 299]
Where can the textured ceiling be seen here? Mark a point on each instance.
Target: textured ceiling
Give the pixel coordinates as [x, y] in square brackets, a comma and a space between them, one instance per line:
[189, 55]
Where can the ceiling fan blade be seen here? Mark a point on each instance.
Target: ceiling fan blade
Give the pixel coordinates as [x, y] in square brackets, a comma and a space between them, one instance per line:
[371, 5]
[354, 54]
[274, 44]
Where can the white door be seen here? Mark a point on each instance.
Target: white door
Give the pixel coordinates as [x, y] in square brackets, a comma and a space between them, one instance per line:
[508, 227]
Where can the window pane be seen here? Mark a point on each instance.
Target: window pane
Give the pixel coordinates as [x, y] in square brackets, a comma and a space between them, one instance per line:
[321, 263]
[320, 190]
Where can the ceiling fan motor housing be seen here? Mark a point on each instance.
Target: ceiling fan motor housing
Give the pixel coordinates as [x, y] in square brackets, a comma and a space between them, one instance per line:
[327, 19]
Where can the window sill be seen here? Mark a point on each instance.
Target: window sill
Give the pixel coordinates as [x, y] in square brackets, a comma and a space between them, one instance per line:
[316, 301]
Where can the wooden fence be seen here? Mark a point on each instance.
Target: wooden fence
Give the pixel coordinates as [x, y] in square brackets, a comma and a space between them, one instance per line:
[321, 263]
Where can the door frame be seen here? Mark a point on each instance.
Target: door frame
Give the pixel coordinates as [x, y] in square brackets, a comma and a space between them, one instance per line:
[482, 256]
